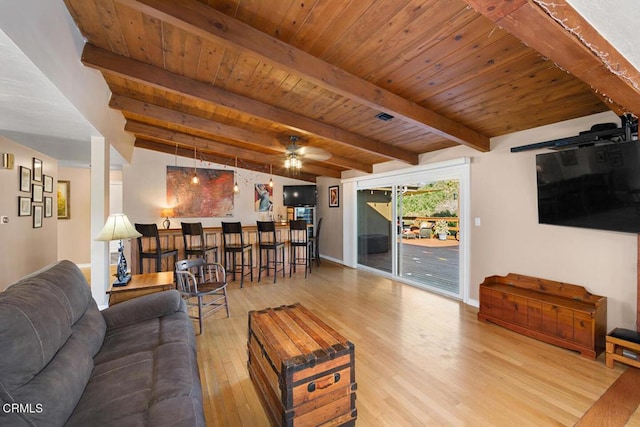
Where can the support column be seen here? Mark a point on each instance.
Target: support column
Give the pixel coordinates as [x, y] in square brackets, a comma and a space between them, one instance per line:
[349, 225]
[100, 278]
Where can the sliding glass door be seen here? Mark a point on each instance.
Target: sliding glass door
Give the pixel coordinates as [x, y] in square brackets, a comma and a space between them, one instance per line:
[423, 255]
[409, 226]
[375, 228]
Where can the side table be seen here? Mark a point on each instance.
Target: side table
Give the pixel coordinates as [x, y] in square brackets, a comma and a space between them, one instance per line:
[141, 284]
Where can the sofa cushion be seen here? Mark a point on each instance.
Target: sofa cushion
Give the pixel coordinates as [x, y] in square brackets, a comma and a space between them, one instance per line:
[154, 388]
[168, 325]
[131, 312]
[145, 374]
[51, 329]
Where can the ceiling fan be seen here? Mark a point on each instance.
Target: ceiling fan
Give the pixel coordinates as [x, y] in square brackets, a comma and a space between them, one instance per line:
[294, 153]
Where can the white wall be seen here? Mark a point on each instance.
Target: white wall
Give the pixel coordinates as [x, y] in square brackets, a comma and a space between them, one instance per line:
[74, 234]
[74, 240]
[24, 249]
[510, 240]
[145, 190]
[332, 229]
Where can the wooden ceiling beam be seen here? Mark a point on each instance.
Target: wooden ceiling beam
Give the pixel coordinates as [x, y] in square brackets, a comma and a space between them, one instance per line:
[167, 136]
[208, 157]
[189, 121]
[111, 63]
[249, 139]
[558, 32]
[197, 18]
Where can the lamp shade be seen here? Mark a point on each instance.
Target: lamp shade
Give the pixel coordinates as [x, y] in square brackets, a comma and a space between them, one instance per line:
[166, 212]
[117, 227]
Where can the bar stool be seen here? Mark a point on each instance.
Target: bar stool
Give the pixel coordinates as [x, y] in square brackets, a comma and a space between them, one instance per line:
[269, 245]
[195, 243]
[233, 245]
[300, 246]
[316, 243]
[150, 239]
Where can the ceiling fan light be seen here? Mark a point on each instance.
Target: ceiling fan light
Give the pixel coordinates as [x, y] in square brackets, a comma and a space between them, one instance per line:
[287, 163]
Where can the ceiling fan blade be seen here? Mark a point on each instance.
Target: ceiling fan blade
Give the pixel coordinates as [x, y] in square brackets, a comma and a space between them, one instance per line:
[314, 153]
[293, 149]
[306, 152]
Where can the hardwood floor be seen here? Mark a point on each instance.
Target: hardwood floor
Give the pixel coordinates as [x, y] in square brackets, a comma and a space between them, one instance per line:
[618, 403]
[421, 359]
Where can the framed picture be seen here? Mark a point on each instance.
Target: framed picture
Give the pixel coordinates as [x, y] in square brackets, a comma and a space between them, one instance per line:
[36, 196]
[24, 206]
[48, 183]
[334, 196]
[263, 196]
[37, 170]
[48, 207]
[37, 216]
[25, 179]
[64, 203]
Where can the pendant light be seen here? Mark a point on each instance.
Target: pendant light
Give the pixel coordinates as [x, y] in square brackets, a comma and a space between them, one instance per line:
[270, 176]
[236, 188]
[195, 180]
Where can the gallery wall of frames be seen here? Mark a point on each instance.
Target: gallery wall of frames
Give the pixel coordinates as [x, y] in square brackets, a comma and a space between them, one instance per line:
[36, 193]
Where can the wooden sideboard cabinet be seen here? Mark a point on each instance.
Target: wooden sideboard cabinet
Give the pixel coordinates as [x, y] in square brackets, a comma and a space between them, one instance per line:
[557, 313]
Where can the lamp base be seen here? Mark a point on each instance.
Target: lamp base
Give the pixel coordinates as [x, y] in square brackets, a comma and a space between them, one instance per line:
[122, 277]
[122, 282]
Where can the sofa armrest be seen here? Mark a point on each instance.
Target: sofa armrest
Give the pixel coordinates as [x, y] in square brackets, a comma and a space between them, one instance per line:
[143, 308]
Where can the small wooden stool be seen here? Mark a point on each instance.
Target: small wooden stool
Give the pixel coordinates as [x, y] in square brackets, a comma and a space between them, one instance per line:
[622, 339]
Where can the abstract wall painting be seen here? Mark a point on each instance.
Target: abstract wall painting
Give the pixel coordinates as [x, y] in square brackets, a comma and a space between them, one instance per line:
[212, 197]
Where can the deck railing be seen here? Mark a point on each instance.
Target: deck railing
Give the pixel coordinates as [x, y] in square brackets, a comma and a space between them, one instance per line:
[432, 220]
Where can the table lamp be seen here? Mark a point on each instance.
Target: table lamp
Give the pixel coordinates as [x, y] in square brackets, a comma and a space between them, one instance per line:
[118, 227]
[166, 212]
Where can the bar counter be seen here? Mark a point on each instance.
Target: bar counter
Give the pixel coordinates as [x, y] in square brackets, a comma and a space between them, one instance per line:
[172, 239]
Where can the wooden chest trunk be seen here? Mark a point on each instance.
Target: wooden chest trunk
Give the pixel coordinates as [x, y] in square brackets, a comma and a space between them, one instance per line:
[303, 370]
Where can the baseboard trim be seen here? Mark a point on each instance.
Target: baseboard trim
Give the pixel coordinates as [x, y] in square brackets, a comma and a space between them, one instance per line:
[473, 303]
[328, 258]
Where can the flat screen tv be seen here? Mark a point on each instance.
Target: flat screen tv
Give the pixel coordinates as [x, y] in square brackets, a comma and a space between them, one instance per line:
[299, 195]
[591, 187]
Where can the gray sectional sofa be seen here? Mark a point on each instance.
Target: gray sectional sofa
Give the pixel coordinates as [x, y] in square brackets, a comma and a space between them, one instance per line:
[64, 362]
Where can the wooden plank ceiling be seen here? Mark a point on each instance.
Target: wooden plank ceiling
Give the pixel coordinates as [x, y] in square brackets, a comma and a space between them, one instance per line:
[234, 79]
